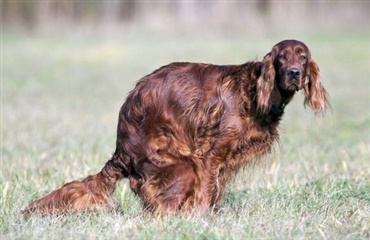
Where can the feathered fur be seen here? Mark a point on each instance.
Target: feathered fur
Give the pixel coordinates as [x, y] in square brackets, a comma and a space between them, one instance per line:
[187, 128]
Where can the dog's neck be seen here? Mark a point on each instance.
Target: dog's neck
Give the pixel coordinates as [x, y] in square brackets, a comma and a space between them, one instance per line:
[278, 108]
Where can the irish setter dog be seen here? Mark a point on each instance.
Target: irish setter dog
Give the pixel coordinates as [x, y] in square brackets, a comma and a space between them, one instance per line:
[187, 128]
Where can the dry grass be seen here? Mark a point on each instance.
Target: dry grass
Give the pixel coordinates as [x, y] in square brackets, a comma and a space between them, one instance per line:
[60, 100]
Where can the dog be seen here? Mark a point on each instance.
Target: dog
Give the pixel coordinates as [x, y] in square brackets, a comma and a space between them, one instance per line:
[186, 129]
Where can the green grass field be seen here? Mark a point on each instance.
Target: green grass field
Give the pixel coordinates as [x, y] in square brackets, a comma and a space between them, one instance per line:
[60, 99]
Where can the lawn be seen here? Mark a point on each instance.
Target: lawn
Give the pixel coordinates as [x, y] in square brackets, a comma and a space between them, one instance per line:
[60, 96]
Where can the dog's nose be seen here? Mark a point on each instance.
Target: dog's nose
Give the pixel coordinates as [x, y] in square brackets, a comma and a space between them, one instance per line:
[293, 73]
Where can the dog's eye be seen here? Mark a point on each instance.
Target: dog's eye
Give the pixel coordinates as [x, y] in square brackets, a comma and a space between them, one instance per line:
[282, 57]
[302, 57]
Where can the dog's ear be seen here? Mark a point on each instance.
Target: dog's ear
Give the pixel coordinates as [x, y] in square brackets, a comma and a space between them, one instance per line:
[315, 94]
[267, 90]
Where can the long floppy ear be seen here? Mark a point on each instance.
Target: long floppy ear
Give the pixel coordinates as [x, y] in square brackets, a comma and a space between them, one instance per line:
[315, 94]
[267, 92]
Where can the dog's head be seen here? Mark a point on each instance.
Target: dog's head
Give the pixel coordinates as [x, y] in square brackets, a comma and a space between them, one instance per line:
[286, 69]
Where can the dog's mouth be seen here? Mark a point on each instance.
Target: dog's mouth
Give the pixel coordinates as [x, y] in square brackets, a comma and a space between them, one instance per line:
[293, 87]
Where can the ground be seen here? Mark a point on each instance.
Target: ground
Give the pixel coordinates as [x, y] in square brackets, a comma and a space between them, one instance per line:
[60, 98]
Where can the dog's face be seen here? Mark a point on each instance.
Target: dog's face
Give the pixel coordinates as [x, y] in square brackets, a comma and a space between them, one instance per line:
[286, 69]
[291, 60]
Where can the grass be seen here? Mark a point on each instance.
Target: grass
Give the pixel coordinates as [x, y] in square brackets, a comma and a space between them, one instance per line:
[60, 99]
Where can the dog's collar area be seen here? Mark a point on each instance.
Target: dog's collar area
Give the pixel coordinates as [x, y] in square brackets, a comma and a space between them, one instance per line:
[278, 109]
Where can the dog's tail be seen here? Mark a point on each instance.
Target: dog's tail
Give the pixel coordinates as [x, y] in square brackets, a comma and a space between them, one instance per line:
[93, 192]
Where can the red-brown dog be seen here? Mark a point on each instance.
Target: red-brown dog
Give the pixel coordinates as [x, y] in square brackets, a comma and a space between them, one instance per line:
[187, 128]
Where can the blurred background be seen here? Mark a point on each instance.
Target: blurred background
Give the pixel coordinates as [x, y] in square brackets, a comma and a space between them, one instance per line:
[252, 17]
[67, 66]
